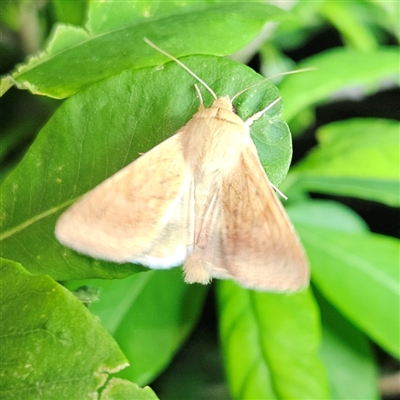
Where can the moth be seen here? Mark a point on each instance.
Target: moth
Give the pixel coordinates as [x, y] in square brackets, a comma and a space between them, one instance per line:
[200, 198]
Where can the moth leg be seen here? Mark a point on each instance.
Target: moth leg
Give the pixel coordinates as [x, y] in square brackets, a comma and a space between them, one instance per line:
[199, 94]
[278, 191]
[259, 114]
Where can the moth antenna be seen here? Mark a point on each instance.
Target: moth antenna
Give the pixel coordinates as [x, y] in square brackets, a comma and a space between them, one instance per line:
[271, 77]
[150, 43]
[259, 114]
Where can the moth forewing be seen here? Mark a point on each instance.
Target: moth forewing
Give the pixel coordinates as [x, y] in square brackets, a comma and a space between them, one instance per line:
[263, 251]
[200, 198]
[132, 214]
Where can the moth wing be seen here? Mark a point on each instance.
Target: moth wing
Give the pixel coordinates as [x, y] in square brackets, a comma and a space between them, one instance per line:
[206, 260]
[144, 213]
[258, 246]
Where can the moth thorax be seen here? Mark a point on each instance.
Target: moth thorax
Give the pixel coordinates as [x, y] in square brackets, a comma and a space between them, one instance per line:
[224, 103]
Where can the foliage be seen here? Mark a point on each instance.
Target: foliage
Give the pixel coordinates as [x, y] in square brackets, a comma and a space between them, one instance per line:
[118, 103]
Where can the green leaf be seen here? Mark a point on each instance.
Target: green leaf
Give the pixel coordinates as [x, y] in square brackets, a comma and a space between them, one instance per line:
[391, 14]
[347, 18]
[69, 12]
[197, 371]
[356, 271]
[149, 315]
[100, 130]
[327, 214]
[348, 357]
[120, 389]
[339, 73]
[358, 157]
[76, 57]
[52, 346]
[297, 30]
[270, 344]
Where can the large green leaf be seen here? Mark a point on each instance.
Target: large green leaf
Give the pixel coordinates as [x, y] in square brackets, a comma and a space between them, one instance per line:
[51, 345]
[98, 131]
[339, 73]
[150, 315]
[270, 344]
[357, 271]
[112, 40]
[358, 157]
[347, 356]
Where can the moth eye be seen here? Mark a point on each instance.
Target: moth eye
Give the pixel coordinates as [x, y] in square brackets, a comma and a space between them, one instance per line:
[234, 109]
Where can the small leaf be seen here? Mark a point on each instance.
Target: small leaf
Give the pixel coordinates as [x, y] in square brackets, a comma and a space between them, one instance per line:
[358, 157]
[52, 346]
[339, 73]
[346, 17]
[270, 344]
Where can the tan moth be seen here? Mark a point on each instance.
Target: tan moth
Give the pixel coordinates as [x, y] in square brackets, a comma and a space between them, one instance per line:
[200, 198]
